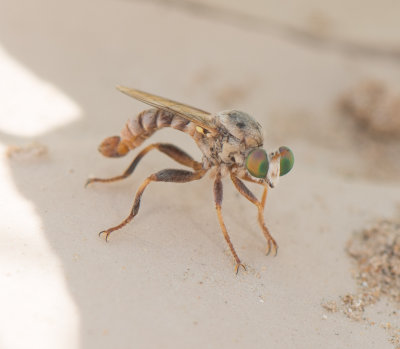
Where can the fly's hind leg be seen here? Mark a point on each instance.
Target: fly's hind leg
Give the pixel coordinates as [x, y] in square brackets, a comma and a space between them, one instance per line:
[218, 194]
[169, 175]
[169, 149]
[272, 245]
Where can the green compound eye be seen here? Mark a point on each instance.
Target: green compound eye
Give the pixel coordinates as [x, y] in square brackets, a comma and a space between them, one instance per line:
[287, 160]
[257, 163]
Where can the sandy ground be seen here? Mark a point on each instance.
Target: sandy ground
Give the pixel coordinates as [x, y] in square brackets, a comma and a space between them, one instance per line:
[167, 280]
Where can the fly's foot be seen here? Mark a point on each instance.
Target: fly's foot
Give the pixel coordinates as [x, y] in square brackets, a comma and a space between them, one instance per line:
[106, 233]
[238, 265]
[272, 246]
[89, 181]
[102, 180]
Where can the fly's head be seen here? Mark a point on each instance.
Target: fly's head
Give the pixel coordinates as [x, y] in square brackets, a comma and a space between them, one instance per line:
[269, 166]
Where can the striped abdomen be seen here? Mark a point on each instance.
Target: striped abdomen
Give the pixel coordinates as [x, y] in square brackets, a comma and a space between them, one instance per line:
[138, 129]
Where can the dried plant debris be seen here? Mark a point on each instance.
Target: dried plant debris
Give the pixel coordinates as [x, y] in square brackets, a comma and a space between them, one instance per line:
[32, 150]
[375, 107]
[376, 252]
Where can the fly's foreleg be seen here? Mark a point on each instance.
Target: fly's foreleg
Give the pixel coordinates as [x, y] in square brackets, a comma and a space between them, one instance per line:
[218, 195]
[169, 149]
[169, 175]
[265, 185]
[272, 245]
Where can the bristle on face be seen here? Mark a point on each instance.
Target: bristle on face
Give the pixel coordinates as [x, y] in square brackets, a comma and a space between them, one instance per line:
[274, 169]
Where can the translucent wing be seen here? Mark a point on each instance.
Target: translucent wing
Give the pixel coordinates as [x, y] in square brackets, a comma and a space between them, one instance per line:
[198, 116]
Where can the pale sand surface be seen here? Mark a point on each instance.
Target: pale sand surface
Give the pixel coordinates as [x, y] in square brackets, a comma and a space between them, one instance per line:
[167, 280]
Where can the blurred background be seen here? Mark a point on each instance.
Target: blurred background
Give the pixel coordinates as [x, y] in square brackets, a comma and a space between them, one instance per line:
[320, 77]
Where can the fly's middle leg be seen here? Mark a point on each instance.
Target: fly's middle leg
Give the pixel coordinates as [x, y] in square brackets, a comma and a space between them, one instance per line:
[169, 175]
[218, 195]
[168, 149]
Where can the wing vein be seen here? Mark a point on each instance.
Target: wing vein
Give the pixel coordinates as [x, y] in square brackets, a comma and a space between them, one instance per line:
[195, 115]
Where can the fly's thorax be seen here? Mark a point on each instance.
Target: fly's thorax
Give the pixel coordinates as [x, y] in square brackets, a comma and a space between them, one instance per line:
[237, 131]
[210, 145]
[221, 149]
[241, 126]
[232, 151]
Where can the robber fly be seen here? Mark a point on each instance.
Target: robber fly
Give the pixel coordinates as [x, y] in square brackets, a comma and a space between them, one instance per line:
[231, 144]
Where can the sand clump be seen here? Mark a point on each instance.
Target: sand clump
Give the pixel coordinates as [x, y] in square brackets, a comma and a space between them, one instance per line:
[376, 253]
